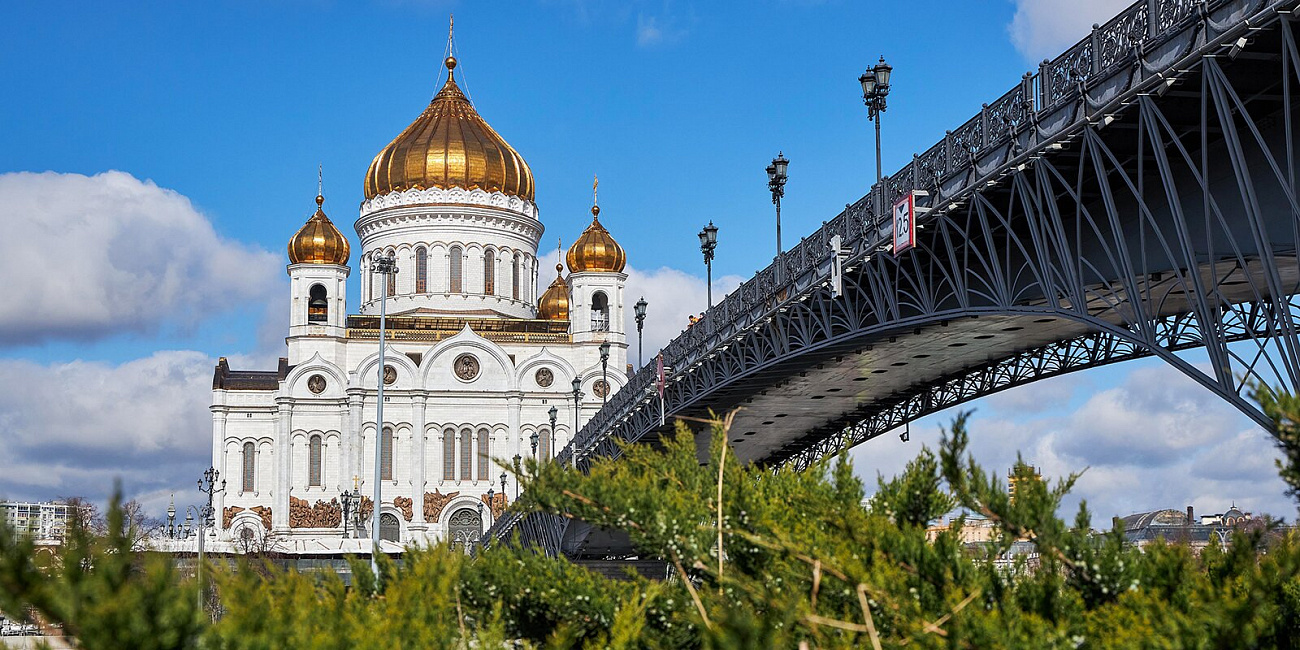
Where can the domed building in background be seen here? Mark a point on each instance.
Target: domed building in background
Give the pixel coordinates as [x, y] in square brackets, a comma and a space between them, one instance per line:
[477, 360]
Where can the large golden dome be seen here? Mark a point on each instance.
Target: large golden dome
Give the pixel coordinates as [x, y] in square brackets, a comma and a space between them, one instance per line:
[554, 303]
[318, 241]
[449, 145]
[596, 249]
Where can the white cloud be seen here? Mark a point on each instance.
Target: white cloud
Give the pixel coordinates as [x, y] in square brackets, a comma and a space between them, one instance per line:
[72, 428]
[1045, 28]
[647, 30]
[92, 256]
[1155, 440]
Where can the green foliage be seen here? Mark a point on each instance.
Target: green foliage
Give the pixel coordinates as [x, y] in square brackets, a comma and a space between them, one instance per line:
[760, 559]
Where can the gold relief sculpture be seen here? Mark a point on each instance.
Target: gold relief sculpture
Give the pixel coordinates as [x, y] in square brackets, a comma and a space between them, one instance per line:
[367, 507]
[265, 513]
[228, 515]
[435, 502]
[497, 504]
[405, 505]
[321, 515]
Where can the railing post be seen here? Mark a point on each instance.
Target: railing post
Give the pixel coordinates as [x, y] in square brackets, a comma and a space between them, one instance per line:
[984, 128]
[1044, 85]
[1096, 50]
[1153, 18]
[948, 167]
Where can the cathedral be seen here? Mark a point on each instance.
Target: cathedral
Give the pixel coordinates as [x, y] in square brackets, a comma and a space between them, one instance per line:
[479, 367]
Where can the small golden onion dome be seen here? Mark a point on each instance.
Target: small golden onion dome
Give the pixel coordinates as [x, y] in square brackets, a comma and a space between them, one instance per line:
[554, 303]
[318, 241]
[449, 145]
[596, 249]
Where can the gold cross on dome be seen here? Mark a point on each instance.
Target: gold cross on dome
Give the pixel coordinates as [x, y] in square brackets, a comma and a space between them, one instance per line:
[595, 183]
[356, 482]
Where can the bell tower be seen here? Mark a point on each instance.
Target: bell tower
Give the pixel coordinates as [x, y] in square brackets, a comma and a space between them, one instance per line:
[318, 272]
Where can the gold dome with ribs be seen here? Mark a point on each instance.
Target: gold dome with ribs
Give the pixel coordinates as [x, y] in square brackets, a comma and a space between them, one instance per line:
[596, 249]
[554, 303]
[449, 145]
[318, 241]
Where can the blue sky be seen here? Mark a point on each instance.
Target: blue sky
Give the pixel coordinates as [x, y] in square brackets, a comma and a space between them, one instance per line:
[218, 115]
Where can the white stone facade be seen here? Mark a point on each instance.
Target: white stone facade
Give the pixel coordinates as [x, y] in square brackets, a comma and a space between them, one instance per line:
[474, 375]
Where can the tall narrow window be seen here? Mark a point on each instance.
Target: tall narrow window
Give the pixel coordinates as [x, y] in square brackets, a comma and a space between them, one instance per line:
[386, 456]
[374, 280]
[489, 272]
[250, 466]
[449, 455]
[483, 454]
[453, 270]
[421, 270]
[514, 278]
[392, 282]
[544, 445]
[314, 462]
[466, 455]
[599, 312]
[317, 305]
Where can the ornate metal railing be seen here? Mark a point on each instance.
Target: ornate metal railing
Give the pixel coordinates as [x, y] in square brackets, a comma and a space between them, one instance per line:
[1040, 109]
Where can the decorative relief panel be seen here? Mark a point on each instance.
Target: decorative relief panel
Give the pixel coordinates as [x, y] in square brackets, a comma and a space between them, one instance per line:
[434, 503]
[600, 388]
[367, 507]
[497, 504]
[316, 384]
[390, 374]
[404, 504]
[544, 377]
[228, 515]
[466, 367]
[322, 515]
[265, 513]
[454, 195]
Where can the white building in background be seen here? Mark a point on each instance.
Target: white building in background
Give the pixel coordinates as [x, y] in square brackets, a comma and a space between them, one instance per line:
[476, 359]
[45, 522]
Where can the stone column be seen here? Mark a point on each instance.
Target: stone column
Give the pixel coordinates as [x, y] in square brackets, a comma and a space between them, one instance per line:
[219, 458]
[418, 462]
[352, 434]
[283, 466]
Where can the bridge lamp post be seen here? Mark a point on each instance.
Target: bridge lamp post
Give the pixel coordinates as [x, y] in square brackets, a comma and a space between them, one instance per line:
[205, 517]
[875, 87]
[639, 308]
[709, 242]
[384, 266]
[776, 177]
[517, 459]
[604, 371]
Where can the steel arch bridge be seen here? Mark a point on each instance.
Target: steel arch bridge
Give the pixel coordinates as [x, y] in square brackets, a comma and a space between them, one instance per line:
[1136, 197]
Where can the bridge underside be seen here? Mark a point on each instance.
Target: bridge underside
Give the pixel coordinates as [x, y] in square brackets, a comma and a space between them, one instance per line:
[1155, 212]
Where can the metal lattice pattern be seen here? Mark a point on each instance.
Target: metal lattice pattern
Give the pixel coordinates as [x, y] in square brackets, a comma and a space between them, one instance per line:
[1133, 222]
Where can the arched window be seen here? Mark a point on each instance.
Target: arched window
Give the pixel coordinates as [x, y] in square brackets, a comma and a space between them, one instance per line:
[489, 272]
[483, 454]
[466, 455]
[544, 445]
[314, 462]
[386, 456]
[317, 305]
[421, 270]
[599, 312]
[453, 270]
[250, 466]
[464, 528]
[390, 528]
[449, 455]
[374, 278]
[514, 278]
[392, 281]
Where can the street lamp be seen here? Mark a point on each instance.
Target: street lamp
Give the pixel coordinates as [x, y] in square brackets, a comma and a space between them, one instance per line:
[491, 495]
[533, 438]
[207, 485]
[604, 371]
[776, 177]
[503, 476]
[709, 242]
[639, 308]
[555, 414]
[351, 506]
[577, 398]
[875, 87]
[384, 266]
